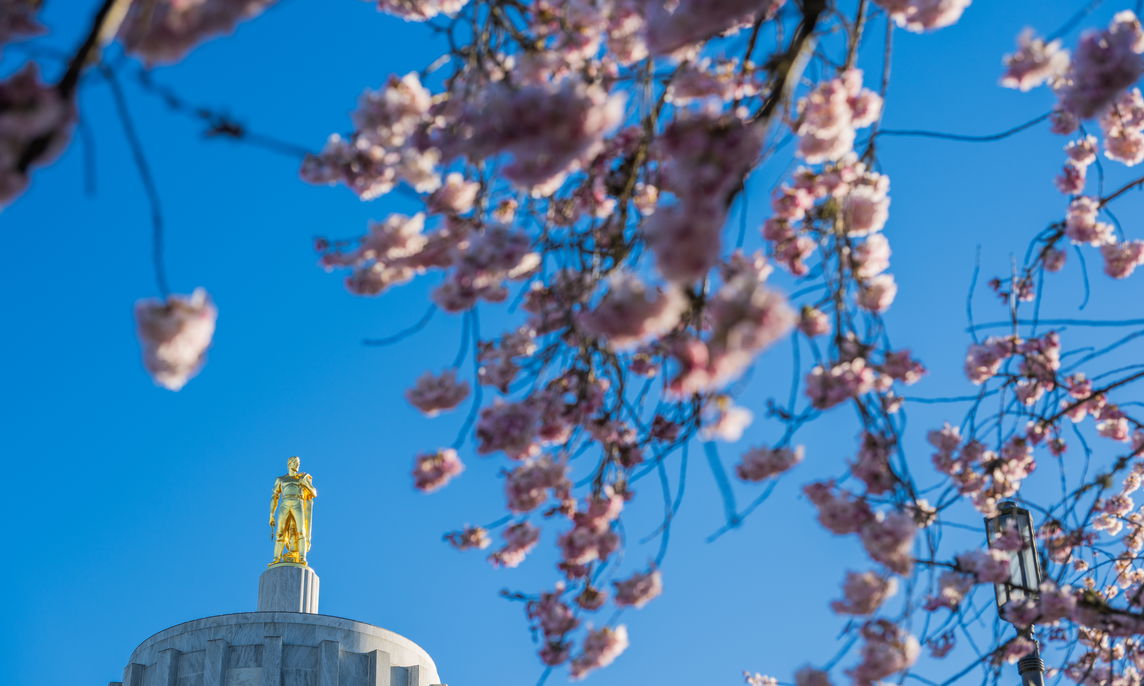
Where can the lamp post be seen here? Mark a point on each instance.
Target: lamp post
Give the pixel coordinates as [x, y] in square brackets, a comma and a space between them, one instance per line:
[1024, 579]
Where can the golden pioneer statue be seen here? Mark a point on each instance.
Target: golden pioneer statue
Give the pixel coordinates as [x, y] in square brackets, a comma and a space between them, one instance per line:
[292, 514]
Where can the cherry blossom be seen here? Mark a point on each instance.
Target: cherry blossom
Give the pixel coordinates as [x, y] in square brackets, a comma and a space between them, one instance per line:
[889, 539]
[986, 566]
[764, 463]
[673, 26]
[547, 129]
[953, 586]
[1121, 259]
[827, 388]
[878, 293]
[630, 313]
[809, 676]
[175, 334]
[554, 617]
[35, 124]
[432, 394]
[520, 539]
[591, 537]
[826, 126]
[888, 649]
[639, 589]
[166, 30]
[728, 424]
[600, 649]
[872, 465]
[420, 10]
[838, 511]
[813, 321]
[864, 593]
[469, 538]
[434, 470]
[527, 486]
[1105, 63]
[18, 20]
[1034, 63]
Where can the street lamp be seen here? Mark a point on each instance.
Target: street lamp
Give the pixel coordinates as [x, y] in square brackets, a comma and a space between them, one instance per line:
[1024, 579]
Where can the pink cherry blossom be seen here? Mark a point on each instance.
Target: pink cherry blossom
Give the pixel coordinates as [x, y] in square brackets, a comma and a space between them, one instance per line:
[864, 593]
[1121, 259]
[600, 649]
[591, 537]
[175, 334]
[455, 196]
[952, 588]
[888, 649]
[826, 123]
[871, 257]
[845, 380]
[630, 312]
[813, 321]
[983, 360]
[685, 239]
[1125, 146]
[889, 539]
[519, 539]
[554, 617]
[510, 427]
[420, 10]
[1071, 179]
[432, 394]
[727, 424]
[32, 116]
[758, 464]
[987, 566]
[1105, 63]
[639, 589]
[809, 676]
[839, 512]
[469, 538]
[872, 464]
[1056, 603]
[1034, 63]
[746, 318]
[901, 366]
[924, 15]
[877, 293]
[1015, 649]
[431, 471]
[671, 26]
[865, 210]
[18, 20]
[549, 130]
[527, 486]
[166, 30]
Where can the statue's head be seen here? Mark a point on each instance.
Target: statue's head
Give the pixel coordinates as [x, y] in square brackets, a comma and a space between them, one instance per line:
[293, 464]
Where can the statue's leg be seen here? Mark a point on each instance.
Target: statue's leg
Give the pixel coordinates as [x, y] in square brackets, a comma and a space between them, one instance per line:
[278, 543]
[299, 531]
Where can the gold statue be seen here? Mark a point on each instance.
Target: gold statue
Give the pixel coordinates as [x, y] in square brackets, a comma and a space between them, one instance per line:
[292, 514]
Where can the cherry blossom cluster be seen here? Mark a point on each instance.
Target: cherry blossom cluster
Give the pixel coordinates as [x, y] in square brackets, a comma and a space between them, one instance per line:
[35, 125]
[175, 334]
[166, 30]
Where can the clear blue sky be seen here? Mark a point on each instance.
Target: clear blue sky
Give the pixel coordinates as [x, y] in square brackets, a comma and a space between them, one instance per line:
[128, 508]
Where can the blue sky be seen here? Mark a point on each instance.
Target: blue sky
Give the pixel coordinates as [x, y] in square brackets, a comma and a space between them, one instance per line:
[130, 508]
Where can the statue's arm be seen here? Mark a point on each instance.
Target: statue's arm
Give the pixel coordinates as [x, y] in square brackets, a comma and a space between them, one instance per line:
[309, 484]
[274, 500]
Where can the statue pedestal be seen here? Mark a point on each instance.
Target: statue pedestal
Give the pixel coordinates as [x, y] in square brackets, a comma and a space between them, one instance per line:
[288, 588]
